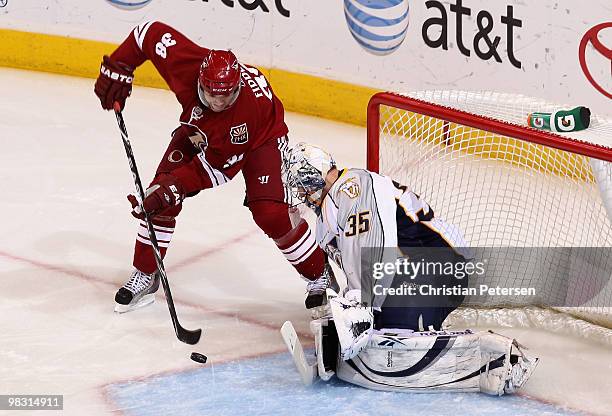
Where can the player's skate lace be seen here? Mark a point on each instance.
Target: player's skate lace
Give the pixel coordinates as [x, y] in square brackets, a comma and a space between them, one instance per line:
[316, 288]
[138, 282]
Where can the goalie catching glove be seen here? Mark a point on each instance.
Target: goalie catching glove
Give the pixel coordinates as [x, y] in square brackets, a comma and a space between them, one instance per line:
[354, 322]
[114, 83]
[165, 192]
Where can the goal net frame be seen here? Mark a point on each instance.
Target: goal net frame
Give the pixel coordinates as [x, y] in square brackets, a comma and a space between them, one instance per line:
[558, 319]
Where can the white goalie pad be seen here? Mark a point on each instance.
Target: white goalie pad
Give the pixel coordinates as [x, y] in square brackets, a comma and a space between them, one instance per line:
[439, 361]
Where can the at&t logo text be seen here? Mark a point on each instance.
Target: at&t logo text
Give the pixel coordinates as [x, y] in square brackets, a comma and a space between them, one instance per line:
[486, 45]
[257, 4]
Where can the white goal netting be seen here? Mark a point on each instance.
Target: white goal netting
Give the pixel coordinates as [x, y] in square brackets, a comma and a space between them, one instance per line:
[540, 215]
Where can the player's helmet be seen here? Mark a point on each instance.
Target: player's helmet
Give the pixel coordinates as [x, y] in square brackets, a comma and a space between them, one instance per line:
[304, 169]
[219, 80]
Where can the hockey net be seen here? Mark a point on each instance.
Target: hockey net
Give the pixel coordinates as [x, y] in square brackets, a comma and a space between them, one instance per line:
[539, 202]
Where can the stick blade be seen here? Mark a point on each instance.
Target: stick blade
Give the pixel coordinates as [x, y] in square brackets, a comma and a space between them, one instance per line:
[187, 336]
[308, 372]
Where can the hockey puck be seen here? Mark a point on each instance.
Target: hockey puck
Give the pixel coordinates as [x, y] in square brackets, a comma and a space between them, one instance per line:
[199, 358]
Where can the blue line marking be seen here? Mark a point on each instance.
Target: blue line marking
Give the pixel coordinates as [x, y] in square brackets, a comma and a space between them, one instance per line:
[271, 386]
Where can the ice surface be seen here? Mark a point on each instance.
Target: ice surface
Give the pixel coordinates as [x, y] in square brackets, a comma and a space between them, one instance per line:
[66, 245]
[265, 386]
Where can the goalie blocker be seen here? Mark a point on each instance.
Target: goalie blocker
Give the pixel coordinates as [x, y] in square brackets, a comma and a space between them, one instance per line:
[430, 361]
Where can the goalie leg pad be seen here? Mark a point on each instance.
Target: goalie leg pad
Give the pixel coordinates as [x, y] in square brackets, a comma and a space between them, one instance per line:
[439, 361]
[416, 362]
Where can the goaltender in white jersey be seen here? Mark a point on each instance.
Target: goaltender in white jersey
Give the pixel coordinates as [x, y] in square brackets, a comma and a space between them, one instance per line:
[371, 338]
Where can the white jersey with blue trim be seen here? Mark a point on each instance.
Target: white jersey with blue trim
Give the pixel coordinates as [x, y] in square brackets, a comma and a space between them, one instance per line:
[364, 209]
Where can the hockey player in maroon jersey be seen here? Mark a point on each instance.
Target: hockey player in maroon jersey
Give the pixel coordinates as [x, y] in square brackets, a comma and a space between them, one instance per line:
[230, 121]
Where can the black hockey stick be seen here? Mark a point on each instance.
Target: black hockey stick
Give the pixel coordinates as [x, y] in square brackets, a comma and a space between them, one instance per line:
[184, 335]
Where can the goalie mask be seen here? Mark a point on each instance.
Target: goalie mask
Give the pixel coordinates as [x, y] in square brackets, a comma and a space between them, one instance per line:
[304, 169]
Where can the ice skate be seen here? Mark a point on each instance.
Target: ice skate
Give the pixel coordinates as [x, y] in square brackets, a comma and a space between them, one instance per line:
[139, 291]
[316, 297]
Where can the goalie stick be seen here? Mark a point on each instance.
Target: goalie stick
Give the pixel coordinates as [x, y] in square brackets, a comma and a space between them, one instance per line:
[185, 335]
[307, 371]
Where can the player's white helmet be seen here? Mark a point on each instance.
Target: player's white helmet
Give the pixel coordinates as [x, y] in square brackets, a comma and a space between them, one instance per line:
[304, 169]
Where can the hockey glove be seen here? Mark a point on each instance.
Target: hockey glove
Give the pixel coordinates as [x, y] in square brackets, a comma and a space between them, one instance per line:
[114, 83]
[354, 322]
[165, 192]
